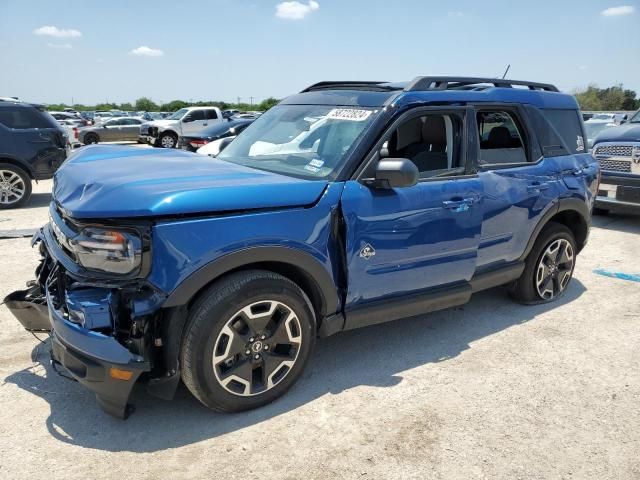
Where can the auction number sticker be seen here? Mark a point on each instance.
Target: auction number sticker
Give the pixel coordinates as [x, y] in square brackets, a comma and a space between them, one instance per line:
[351, 114]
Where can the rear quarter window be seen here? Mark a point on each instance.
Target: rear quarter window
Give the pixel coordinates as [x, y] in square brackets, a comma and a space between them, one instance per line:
[21, 118]
[568, 125]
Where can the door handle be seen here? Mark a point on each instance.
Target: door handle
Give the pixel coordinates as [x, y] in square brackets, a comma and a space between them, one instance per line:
[537, 186]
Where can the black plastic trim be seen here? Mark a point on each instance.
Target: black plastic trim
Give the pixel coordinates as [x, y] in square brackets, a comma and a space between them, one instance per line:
[296, 258]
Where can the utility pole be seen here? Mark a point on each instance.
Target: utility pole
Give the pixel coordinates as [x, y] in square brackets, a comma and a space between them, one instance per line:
[238, 100]
[251, 98]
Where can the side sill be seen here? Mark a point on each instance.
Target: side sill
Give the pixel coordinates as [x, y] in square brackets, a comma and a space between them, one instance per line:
[418, 304]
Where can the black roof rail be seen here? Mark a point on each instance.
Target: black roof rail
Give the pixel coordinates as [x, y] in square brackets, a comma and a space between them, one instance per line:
[447, 83]
[345, 85]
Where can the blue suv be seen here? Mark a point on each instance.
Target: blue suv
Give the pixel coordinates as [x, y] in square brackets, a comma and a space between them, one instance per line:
[349, 204]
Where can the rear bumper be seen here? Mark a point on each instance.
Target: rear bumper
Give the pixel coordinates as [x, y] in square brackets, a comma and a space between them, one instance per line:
[88, 356]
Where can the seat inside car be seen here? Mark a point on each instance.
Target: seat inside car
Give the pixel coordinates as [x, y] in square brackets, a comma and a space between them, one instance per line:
[423, 140]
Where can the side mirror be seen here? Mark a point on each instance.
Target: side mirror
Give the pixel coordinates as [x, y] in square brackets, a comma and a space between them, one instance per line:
[187, 119]
[396, 173]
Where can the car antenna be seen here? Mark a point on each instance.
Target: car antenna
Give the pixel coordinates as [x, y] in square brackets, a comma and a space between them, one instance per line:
[506, 71]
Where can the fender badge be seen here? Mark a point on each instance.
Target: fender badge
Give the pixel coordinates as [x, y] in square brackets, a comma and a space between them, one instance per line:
[367, 252]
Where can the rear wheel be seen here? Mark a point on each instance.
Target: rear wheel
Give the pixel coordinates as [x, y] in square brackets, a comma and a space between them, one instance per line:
[548, 268]
[168, 140]
[247, 341]
[15, 186]
[91, 138]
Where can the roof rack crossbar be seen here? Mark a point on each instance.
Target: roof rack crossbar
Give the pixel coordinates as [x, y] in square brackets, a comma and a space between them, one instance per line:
[338, 84]
[446, 83]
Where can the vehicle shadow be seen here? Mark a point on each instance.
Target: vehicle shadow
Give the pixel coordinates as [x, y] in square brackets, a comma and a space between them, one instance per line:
[38, 200]
[621, 222]
[374, 356]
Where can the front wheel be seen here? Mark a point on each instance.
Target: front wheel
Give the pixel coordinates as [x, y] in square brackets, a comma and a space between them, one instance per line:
[168, 140]
[15, 186]
[247, 341]
[548, 267]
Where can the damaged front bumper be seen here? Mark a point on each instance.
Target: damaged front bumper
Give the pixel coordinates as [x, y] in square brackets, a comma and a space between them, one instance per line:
[90, 336]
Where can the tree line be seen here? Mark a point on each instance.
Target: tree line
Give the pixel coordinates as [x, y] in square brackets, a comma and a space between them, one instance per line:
[145, 104]
[611, 98]
[593, 98]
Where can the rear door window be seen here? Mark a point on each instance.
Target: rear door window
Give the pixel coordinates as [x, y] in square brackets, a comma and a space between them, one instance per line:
[502, 140]
[568, 125]
[211, 114]
[22, 118]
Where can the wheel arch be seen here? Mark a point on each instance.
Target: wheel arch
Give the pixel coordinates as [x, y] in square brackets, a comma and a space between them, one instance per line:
[299, 267]
[571, 212]
[18, 163]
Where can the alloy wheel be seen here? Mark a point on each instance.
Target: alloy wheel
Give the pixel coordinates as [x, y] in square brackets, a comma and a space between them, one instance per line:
[12, 187]
[167, 141]
[257, 348]
[555, 269]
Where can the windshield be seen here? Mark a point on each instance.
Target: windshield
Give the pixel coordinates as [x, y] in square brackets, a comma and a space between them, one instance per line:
[594, 129]
[307, 141]
[178, 115]
[636, 117]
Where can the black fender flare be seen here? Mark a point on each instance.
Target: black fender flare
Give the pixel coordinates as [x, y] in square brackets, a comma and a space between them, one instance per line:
[298, 259]
[564, 204]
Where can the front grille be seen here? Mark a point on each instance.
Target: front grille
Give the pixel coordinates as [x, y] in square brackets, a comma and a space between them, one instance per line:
[144, 130]
[615, 165]
[614, 150]
[153, 131]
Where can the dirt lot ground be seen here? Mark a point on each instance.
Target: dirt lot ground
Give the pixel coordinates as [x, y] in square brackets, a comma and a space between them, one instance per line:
[490, 390]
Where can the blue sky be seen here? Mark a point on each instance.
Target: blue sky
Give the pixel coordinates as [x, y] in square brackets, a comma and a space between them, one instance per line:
[223, 49]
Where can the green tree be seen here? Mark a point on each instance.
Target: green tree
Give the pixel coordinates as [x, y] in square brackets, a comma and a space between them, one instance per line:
[173, 106]
[611, 98]
[145, 104]
[267, 103]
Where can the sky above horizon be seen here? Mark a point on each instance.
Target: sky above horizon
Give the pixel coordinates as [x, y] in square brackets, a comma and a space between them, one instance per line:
[93, 51]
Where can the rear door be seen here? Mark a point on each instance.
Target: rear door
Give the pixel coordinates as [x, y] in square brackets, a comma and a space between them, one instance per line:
[409, 240]
[130, 129]
[520, 185]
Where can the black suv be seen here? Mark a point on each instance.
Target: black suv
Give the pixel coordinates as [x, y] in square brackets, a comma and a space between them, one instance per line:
[32, 147]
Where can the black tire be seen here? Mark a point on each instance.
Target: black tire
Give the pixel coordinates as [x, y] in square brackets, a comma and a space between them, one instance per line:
[525, 289]
[15, 186]
[91, 138]
[167, 138]
[220, 306]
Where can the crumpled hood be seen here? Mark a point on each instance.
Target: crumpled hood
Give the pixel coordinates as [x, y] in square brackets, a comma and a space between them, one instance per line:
[110, 181]
[624, 133]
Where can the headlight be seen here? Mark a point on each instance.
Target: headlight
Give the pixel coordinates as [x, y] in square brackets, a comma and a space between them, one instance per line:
[107, 250]
[636, 152]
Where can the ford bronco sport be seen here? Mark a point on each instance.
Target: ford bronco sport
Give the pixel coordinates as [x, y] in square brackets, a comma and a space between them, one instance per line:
[348, 204]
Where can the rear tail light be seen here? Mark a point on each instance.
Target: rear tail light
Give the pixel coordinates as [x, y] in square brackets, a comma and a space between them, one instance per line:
[75, 133]
[198, 143]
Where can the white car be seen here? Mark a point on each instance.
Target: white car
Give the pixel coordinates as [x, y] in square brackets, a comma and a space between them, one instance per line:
[616, 118]
[594, 126]
[164, 133]
[214, 148]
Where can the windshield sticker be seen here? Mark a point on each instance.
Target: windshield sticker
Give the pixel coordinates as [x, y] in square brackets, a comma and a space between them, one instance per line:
[311, 168]
[349, 114]
[316, 162]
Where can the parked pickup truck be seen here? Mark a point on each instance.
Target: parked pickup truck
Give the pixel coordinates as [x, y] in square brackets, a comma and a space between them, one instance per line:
[618, 152]
[184, 122]
[349, 204]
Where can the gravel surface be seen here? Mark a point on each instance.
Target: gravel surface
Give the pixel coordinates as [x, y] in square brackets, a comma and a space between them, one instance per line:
[489, 390]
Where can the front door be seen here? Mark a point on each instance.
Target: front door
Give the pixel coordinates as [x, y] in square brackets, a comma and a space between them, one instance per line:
[193, 122]
[406, 241]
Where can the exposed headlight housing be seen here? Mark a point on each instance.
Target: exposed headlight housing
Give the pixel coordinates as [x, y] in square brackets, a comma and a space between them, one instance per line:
[635, 153]
[107, 250]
